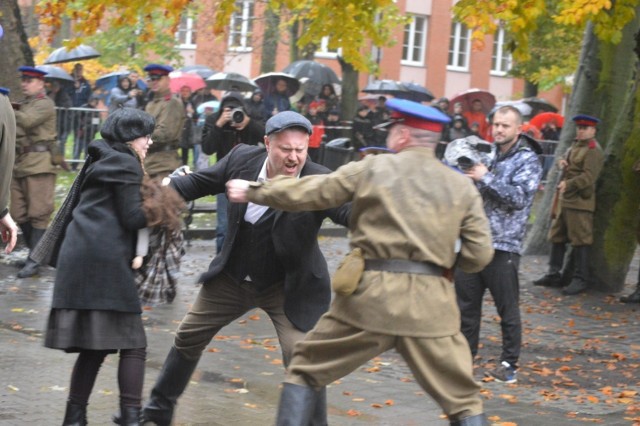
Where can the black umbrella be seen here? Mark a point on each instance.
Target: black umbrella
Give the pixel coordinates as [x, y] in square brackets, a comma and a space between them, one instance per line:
[55, 73]
[317, 75]
[539, 105]
[202, 70]
[78, 53]
[230, 81]
[416, 93]
[387, 87]
[267, 82]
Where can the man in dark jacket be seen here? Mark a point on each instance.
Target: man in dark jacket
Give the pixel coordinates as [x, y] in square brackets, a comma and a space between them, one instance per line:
[270, 260]
[230, 127]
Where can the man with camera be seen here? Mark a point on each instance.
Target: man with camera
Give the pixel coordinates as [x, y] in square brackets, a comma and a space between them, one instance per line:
[229, 127]
[507, 188]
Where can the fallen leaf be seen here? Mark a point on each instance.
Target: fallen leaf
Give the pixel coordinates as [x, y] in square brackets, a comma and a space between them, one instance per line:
[389, 402]
[354, 413]
[376, 405]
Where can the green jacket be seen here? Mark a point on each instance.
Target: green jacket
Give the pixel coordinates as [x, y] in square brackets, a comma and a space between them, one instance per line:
[585, 160]
[162, 157]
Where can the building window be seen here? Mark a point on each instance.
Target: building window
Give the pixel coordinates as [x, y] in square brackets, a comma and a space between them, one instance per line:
[186, 34]
[501, 58]
[459, 47]
[324, 51]
[415, 36]
[241, 26]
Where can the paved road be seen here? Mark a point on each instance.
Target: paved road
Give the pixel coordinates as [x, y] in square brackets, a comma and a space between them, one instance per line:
[579, 363]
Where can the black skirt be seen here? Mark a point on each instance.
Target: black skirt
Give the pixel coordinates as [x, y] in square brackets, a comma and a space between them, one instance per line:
[73, 330]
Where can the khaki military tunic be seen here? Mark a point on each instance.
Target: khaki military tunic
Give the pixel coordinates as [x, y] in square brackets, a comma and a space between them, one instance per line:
[7, 148]
[574, 223]
[162, 157]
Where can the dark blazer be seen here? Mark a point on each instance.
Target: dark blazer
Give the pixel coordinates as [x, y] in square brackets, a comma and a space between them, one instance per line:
[94, 263]
[295, 235]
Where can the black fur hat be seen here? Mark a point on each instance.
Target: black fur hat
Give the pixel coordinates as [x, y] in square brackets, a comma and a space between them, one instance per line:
[127, 124]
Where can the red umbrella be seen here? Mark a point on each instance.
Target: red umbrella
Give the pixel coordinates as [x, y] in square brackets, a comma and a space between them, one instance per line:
[547, 117]
[181, 78]
[467, 97]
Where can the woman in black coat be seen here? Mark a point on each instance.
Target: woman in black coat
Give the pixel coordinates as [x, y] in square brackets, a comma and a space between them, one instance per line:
[96, 310]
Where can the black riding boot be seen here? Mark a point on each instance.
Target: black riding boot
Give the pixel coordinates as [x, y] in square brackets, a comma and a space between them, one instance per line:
[477, 420]
[297, 405]
[171, 383]
[635, 296]
[580, 281]
[32, 267]
[554, 276]
[26, 233]
[75, 415]
[129, 416]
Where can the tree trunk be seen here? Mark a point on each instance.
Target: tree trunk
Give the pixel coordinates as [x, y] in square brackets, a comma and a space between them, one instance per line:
[270, 42]
[14, 48]
[349, 97]
[605, 86]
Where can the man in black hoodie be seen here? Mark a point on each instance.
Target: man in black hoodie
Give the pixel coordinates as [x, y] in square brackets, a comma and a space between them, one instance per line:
[229, 127]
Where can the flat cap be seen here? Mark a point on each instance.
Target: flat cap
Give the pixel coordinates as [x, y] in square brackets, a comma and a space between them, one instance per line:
[157, 69]
[4, 91]
[32, 72]
[286, 120]
[414, 114]
[586, 120]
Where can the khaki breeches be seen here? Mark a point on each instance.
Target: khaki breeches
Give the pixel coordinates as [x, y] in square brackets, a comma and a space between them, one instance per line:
[32, 199]
[572, 226]
[442, 366]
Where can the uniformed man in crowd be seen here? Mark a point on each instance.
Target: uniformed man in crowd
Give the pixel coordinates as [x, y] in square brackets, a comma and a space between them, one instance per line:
[168, 111]
[34, 174]
[573, 223]
[404, 231]
[8, 228]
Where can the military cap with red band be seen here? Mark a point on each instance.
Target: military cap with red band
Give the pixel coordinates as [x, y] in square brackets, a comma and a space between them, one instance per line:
[586, 120]
[415, 115]
[31, 72]
[157, 69]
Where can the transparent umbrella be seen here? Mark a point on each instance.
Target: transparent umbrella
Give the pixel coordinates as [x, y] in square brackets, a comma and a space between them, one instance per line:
[231, 81]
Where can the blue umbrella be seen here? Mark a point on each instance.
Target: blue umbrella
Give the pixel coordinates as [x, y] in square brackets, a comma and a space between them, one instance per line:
[109, 81]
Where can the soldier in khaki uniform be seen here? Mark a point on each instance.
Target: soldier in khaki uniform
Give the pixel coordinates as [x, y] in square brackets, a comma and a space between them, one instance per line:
[8, 228]
[408, 214]
[573, 224]
[34, 175]
[168, 112]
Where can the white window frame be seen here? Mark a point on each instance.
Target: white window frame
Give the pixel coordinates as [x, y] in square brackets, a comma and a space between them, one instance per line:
[455, 38]
[499, 54]
[323, 50]
[246, 27]
[413, 41]
[189, 30]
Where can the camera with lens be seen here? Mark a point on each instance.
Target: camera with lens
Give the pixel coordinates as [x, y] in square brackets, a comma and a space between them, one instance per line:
[237, 115]
[465, 153]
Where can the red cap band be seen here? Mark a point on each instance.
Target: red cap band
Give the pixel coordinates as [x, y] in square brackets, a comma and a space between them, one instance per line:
[583, 122]
[417, 123]
[33, 74]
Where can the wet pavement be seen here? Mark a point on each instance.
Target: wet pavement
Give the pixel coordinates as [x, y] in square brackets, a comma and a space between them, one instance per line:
[579, 362]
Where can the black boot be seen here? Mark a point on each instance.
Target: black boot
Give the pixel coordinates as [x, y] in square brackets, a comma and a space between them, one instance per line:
[477, 420]
[635, 296]
[319, 417]
[129, 416]
[297, 405]
[32, 267]
[580, 281]
[75, 415]
[26, 233]
[554, 277]
[171, 383]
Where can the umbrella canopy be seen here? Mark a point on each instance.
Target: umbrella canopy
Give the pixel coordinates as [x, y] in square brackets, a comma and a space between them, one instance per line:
[179, 79]
[416, 93]
[467, 97]
[539, 105]
[209, 104]
[317, 75]
[547, 117]
[231, 81]
[387, 87]
[267, 82]
[202, 70]
[55, 73]
[524, 109]
[78, 53]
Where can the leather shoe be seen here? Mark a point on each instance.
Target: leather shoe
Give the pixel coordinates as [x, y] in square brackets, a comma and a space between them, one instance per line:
[577, 286]
[549, 280]
[632, 298]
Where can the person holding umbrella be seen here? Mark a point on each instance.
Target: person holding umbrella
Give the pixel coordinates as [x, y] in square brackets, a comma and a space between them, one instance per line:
[278, 100]
[169, 115]
[124, 94]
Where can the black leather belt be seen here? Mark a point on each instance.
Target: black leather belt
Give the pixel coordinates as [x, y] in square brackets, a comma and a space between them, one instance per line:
[31, 148]
[403, 266]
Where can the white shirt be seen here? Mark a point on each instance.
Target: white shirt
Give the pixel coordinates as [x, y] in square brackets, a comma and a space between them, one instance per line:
[255, 211]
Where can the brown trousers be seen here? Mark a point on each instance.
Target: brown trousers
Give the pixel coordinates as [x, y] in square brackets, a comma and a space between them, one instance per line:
[32, 199]
[572, 226]
[442, 366]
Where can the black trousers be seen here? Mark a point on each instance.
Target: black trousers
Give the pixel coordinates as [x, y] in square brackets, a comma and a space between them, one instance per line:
[501, 278]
